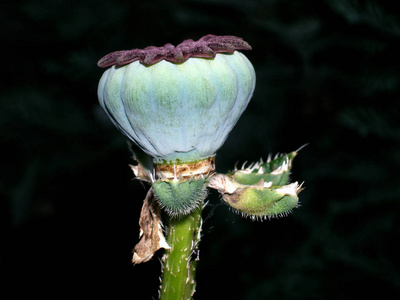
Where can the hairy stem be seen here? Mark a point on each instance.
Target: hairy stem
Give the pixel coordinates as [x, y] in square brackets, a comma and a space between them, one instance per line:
[179, 262]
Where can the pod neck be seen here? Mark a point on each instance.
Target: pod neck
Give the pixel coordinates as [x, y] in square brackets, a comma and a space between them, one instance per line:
[186, 170]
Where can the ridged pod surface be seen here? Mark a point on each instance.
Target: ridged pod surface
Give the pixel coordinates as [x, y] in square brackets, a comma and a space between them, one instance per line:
[178, 104]
[178, 112]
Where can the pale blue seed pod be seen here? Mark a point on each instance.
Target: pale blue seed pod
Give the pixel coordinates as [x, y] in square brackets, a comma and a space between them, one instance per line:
[178, 104]
[178, 112]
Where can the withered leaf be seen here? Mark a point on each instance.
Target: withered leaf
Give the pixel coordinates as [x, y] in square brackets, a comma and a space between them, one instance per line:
[152, 237]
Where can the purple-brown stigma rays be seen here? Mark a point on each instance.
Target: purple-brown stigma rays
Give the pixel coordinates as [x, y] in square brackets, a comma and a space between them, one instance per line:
[207, 47]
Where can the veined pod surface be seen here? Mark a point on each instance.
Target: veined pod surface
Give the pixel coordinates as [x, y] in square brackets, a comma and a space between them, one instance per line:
[178, 112]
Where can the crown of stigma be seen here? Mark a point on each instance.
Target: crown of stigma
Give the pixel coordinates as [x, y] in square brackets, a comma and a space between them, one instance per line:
[207, 47]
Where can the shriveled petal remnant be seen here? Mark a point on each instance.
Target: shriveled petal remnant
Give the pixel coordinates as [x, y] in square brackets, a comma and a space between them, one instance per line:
[152, 238]
[207, 47]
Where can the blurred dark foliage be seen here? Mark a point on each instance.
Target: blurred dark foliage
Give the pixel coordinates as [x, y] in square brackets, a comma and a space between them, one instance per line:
[328, 75]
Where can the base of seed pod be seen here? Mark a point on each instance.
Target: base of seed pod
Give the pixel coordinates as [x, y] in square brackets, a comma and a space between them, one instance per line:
[186, 170]
[180, 197]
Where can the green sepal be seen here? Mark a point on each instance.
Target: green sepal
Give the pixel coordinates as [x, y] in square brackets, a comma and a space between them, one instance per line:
[276, 171]
[264, 202]
[180, 197]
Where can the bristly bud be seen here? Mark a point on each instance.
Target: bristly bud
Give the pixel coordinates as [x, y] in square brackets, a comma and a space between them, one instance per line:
[259, 201]
[181, 188]
[261, 190]
[179, 197]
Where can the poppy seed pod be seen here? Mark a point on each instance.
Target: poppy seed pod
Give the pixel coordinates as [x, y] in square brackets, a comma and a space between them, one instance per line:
[178, 104]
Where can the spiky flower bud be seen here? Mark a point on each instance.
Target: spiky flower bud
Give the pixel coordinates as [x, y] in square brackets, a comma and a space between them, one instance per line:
[178, 104]
[261, 190]
[179, 197]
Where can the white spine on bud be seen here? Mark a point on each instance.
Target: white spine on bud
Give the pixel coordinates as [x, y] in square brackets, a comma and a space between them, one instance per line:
[292, 189]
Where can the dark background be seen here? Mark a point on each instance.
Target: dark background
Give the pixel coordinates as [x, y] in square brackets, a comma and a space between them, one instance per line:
[327, 74]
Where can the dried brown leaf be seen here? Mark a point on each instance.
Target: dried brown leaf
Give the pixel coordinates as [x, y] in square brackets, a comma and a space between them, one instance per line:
[152, 237]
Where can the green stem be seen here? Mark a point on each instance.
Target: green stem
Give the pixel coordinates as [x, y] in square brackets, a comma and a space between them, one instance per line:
[179, 262]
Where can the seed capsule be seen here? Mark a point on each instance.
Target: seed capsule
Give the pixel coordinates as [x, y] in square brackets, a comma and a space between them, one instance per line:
[178, 104]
